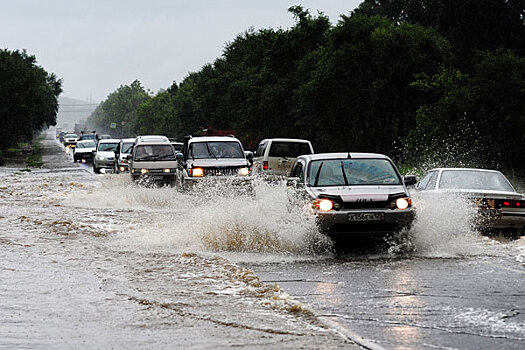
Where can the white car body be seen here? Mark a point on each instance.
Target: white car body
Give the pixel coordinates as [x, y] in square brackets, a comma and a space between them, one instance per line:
[276, 156]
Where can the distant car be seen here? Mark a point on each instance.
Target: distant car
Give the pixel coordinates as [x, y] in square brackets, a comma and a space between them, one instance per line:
[276, 156]
[104, 157]
[152, 160]
[177, 146]
[84, 150]
[70, 140]
[105, 137]
[500, 207]
[123, 150]
[212, 157]
[353, 195]
[89, 135]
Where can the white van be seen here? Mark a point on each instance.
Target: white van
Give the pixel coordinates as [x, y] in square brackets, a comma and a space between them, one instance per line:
[276, 156]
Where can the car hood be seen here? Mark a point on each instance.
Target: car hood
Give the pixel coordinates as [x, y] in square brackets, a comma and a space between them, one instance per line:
[110, 154]
[359, 193]
[483, 193]
[222, 162]
[84, 150]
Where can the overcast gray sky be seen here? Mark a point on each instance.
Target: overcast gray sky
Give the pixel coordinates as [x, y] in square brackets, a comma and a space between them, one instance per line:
[95, 46]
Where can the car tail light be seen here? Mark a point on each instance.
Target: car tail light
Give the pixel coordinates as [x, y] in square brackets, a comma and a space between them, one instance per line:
[265, 165]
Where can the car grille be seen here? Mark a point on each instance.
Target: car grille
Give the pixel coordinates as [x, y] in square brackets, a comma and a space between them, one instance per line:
[365, 205]
[221, 171]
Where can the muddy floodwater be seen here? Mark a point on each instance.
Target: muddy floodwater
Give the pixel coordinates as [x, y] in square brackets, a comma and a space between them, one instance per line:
[96, 261]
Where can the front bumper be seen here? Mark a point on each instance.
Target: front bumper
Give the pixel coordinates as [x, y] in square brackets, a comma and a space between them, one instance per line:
[105, 163]
[338, 223]
[153, 175]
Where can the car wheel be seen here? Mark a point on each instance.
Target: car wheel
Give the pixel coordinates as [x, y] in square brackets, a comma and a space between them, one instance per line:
[117, 170]
[96, 170]
[74, 159]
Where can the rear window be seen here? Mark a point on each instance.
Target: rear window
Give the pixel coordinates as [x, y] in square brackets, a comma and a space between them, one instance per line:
[285, 149]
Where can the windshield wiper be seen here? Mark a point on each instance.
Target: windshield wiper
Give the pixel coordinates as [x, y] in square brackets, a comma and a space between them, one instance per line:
[210, 152]
[344, 175]
[318, 173]
[166, 156]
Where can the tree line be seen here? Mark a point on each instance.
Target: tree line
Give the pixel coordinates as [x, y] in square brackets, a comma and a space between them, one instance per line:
[423, 81]
[28, 98]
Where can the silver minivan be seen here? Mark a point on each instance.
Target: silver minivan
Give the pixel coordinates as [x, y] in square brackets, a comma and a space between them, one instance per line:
[153, 160]
[276, 156]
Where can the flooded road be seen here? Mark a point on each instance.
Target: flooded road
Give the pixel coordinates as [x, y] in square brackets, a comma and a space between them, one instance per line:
[95, 261]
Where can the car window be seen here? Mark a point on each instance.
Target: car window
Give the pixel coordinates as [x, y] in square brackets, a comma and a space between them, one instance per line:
[432, 181]
[424, 182]
[107, 147]
[215, 149]
[298, 171]
[474, 180]
[289, 149]
[89, 144]
[260, 149]
[154, 153]
[126, 147]
[341, 172]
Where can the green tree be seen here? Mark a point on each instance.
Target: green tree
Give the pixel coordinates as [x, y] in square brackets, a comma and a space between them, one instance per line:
[119, 108]
[28, 97]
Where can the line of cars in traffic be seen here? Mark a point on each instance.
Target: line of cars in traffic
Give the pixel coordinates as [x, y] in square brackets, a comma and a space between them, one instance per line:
[351, 194]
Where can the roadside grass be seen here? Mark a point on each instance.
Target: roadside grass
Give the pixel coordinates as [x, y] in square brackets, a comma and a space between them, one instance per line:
[25, 153]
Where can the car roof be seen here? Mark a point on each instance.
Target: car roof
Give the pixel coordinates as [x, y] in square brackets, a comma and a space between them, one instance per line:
[109, 141]
[86, 141]
[213, 139]
[152, 142]
[128, 140]
[470, 169]
[339, 155]
[286, 140]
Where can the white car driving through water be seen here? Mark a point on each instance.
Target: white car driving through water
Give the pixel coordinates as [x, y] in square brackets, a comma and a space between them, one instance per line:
[500, 208]
[353, 195]
[213, 157]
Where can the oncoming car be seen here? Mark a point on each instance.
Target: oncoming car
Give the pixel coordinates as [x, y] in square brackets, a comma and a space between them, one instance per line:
[104, 157]
[123, 150]
[353, 195]
[500, 208]
[212, 157]
[153, 160]
[70, 140]
[84, 150]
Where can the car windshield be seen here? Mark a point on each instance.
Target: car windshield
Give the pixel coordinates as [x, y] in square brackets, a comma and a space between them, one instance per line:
[86, 144]
[154, 153]
[474, 180]
[89, 137]
[107, 147]
[216, 150]
[284, 149]
[126, 147]
[347, 172]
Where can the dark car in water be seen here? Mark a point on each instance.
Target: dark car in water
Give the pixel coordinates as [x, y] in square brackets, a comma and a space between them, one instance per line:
[500, 208]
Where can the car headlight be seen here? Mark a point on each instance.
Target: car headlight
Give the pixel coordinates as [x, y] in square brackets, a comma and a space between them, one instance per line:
[143, 171]
[100, 158]
[323, 204]
[403, 203]
[196, 172]
[244, 171]
[167, 170]
[122, 169]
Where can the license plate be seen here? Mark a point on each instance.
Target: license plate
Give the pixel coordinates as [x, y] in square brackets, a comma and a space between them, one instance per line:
[366, 217]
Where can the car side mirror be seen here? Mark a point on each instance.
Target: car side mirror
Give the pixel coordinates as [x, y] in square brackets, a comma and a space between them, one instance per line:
[292, 182]
[410, 180]
[128, 157]
[180, 157]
